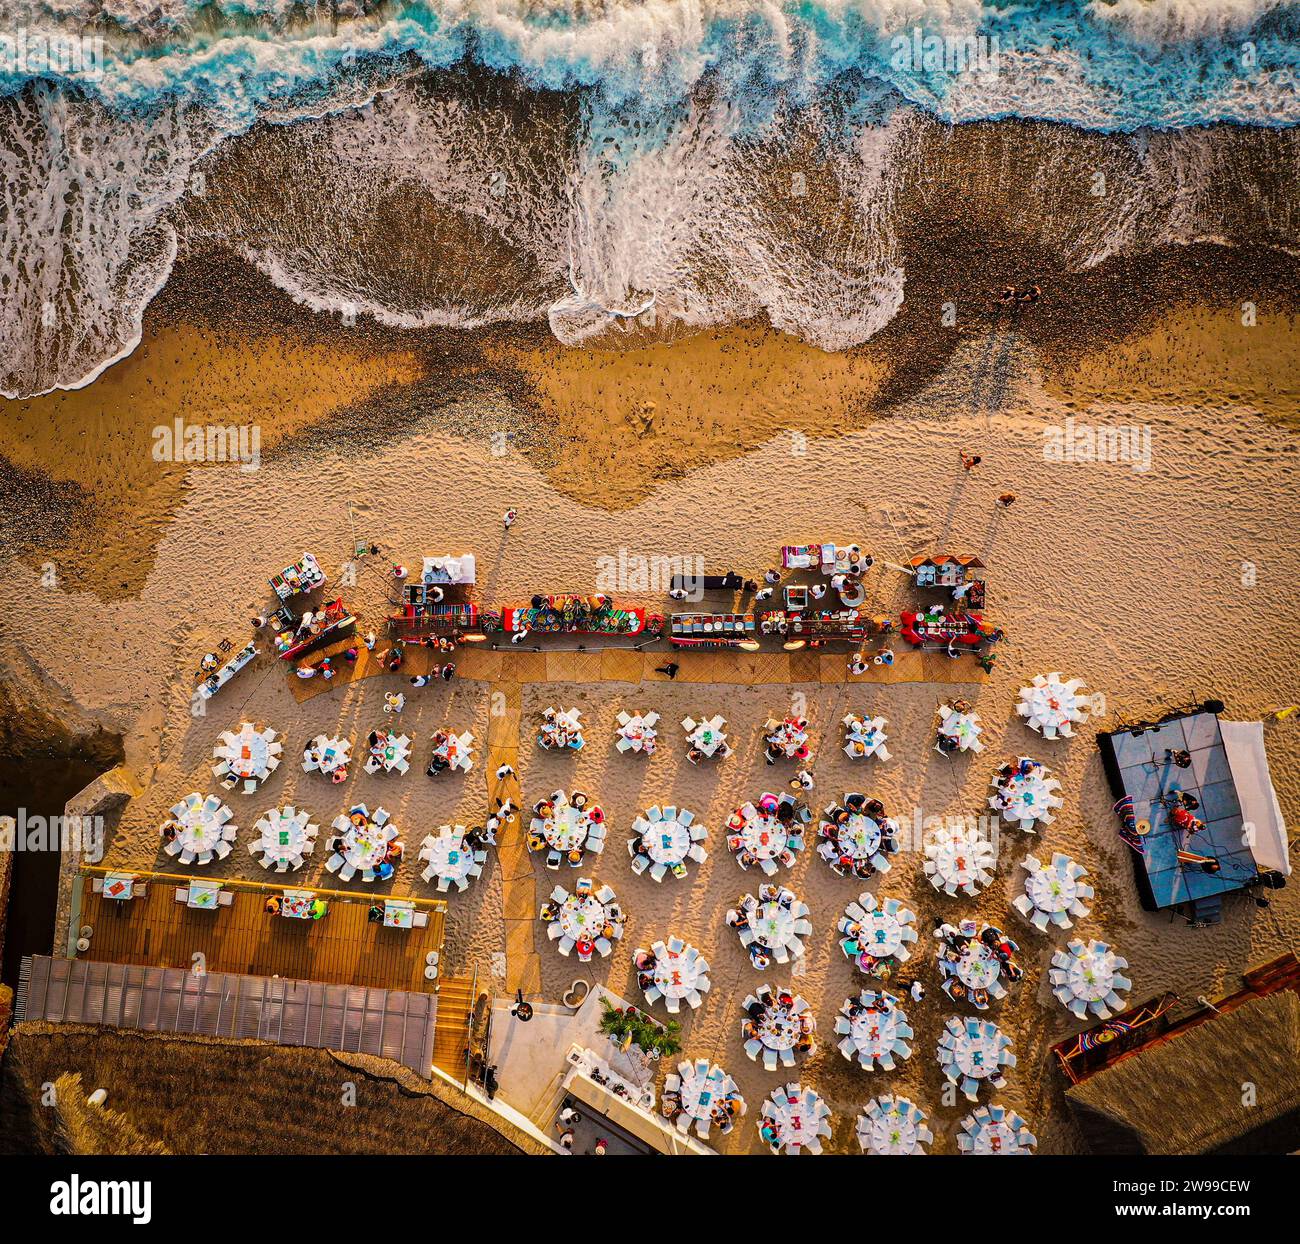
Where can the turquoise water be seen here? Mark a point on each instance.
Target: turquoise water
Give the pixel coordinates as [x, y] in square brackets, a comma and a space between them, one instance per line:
[1118, 66]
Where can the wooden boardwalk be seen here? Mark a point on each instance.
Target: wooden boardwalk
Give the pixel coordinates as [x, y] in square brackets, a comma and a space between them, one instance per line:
[626, 665]
[343, 947]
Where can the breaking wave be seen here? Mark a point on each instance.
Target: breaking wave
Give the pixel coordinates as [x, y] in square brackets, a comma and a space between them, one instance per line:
[605, 166]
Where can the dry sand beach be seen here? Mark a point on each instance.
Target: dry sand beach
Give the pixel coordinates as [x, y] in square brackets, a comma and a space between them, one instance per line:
[1157, 586]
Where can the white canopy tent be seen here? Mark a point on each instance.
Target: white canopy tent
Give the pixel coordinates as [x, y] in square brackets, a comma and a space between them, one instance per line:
[1243, 741]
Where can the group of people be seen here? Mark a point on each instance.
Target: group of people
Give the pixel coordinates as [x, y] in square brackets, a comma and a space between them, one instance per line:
[558, 730]
[641, 851]
[387, 866]
[723, 1111]
[956, 942]
[843, 860]
[790, 815]
[440, 760]
[764, 1007]
[760, 956]
[1009, 773]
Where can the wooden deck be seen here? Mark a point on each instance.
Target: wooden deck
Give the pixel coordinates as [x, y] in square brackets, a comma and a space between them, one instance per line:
[343, 947]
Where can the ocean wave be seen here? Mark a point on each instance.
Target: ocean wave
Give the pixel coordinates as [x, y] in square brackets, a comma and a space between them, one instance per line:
[1106, 64]
[614, 168]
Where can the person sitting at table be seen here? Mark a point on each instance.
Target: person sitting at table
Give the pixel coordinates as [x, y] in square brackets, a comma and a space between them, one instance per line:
[383, 870]
[771, 1133]
[550, 912]
[786, 858]
[575, 857]
[694, 755]
[318, 908]
[584, 946]
[169, 830]
[272, 905]
[639, 847]
[394, 851]
[861, 868]
[737, 919]
[748, 1030]
[393, 659]
[375, 915]
[758, 956]
[536, 842]
[757, 1011]
[804, 1042]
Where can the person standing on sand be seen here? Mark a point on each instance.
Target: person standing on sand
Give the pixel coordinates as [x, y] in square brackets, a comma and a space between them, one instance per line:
[969, 461]
[508, 518]
[670, 670]
[1006, 499]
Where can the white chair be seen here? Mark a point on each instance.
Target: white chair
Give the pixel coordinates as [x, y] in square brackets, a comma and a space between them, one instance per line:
[334, 863]
[182, 894]
[420, 919]
[225, 897]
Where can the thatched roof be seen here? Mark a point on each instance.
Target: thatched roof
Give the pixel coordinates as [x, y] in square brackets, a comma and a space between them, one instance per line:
[1185, 1094]
[204, 1095]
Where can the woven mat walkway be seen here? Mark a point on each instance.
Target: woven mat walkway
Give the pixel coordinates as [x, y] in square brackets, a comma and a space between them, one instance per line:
[518, 880]
[745, 669]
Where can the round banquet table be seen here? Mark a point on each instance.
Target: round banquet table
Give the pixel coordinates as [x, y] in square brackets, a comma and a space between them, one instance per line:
[977, 967]
[582, 917]
[1051, 890]
[200, 824]
[881, 935]
[364, 846]
[247, 754]
[699, 1094]
[859, 837]
[891, 1133]
[773, 925]
[675, 975]
[976, 1056]
[763, 836]
[1091, 976]
[566, 828]
[666, 842]
[449, 857]
[955, 861]
[874, 1033]
[1028, 796]
[285, 837]
[778, 1029]
[798, 1117]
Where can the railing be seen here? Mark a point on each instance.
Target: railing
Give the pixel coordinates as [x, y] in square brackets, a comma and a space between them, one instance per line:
[262, 887]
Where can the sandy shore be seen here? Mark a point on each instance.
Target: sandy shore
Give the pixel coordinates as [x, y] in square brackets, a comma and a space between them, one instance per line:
[1134, 580]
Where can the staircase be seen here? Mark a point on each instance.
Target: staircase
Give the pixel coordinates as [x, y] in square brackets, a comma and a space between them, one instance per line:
[451, 1025]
